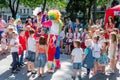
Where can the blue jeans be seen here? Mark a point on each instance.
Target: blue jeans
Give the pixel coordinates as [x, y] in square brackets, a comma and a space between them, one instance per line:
[21, 58]
[77, 66]
[42, 60]
[31, 56]
[15, 62]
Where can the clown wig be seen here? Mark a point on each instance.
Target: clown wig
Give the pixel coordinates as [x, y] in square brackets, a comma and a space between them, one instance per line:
[54, 15]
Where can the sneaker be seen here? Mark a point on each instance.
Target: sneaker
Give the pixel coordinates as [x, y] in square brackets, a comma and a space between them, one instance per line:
[17, 69]
[79, 78]
[110, 71]
[14, 71]
[73, 77]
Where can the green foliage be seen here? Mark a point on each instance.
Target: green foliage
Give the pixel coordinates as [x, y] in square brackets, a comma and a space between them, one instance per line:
[50, 3]
[3, 3]
[32, 3]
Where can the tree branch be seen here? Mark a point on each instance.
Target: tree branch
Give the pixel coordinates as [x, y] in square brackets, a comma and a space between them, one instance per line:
[18, 1]
[10, 5]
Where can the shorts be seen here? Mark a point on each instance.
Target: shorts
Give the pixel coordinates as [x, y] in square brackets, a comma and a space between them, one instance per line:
[77, 66]
[96, 59]
[42, 60]
[31, 56]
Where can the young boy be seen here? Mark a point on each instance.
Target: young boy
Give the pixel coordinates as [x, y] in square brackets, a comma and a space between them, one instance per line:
[31, 52]
[77, 58]
[22, 48]
[14, 45]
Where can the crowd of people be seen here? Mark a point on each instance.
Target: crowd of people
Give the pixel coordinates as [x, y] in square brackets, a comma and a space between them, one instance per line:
[90, 45]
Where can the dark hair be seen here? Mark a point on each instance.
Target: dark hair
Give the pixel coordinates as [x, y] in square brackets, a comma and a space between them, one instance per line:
[106, 43]
[96, 38]
[21, 30]
[42, 40]
[111, 20]
[31, 32]
[78, 43]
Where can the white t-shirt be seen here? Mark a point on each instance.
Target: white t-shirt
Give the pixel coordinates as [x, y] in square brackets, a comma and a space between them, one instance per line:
[54, 28]
[77, 53]
[62, 35]
[96, 50]
[3, 43]
[31, 44]
[70, 36]
[14, 42]
[77, 36]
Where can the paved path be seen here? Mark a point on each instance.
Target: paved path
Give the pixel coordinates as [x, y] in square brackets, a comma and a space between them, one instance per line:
[62, 74]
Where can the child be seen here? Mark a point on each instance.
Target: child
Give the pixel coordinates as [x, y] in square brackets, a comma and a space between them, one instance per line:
[4, 43]
[42, 53]
[22, 41]
[96, 52]
[14, 45]
[88, 60]
[31, 52]
[76, 34]
[102, 38]
[77, 58]
[62, 36]
[103, 60]
[69, 37]
[84, 37]
[112, 52]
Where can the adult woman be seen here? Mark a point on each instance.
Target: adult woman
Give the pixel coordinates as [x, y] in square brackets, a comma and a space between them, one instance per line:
[109, 27]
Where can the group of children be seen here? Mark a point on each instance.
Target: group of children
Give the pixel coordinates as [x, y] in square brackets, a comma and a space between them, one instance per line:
[26, 42]
[96, 52]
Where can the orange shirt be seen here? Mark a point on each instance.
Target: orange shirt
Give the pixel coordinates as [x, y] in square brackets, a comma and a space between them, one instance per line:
[42, 49]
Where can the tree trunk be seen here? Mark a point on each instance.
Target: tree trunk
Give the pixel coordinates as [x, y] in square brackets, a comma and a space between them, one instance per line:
[89, 12]
[14, 7]
[44, 6]
[94, 11]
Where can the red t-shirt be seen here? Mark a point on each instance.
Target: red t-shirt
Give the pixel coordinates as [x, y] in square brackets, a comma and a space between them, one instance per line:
[22, 41]
[27, 34]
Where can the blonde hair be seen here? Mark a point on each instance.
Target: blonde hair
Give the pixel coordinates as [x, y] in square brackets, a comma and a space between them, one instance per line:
[113, 37]
[88, 42]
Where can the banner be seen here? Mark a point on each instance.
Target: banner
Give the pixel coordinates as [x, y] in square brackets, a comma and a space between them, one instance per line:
[116, 13]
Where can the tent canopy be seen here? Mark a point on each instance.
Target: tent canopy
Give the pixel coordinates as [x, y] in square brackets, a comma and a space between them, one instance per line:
[114, 11]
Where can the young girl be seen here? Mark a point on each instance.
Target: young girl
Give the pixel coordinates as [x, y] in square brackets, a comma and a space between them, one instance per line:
[88, 60]
[103, 60]
[96, 52]
[62, 36]
[42, 56]
[77, 58]
[112, 54]
[69, 37]
[31, 52]
[4, 43]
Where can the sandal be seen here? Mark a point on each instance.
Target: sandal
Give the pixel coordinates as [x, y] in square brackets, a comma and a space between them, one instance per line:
[42, 75]
[34, 72]
[39, 75]
[28, 71]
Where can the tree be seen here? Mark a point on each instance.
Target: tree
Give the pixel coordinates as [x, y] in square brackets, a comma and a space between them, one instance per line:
[84, 6]
[45, 3]
[14, 4]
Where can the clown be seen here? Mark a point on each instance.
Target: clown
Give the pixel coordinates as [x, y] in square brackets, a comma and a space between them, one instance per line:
[55, 26]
